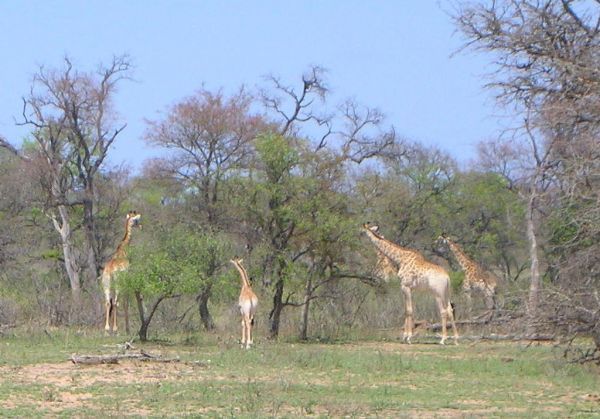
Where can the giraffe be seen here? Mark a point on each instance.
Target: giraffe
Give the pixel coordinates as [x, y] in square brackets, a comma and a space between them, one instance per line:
[475, 277]
[247, 303]
[117, 263]
[415, 273]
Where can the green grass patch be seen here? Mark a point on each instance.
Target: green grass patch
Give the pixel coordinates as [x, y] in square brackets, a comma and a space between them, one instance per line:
[360, 378]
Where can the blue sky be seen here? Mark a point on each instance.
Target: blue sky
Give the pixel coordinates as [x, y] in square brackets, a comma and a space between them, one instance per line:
[394, 55]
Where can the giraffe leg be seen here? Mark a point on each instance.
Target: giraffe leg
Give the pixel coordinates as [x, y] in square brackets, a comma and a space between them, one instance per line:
[243, 331]
[248, 333]
[451, 316]
[115, 305]
[408, 316]
[443, 309]
[107, 310]
[105, 278]
[250, 323]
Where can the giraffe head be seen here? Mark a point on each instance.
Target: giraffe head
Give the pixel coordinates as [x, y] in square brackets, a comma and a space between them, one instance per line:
[442, 243]
[443, 239]
[236, 261]
[133, 219]
[373, 228]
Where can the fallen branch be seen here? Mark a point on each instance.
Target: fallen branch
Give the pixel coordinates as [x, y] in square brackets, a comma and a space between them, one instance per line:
[514, 338]
[115, 358]
[122, 346]
[5, 327]
[477, 321]
[95, 359]
[438, 326]
[491, 337]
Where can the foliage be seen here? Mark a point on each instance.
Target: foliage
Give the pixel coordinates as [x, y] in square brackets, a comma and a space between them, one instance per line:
[170, 264]
[456, 280]
[174, 261]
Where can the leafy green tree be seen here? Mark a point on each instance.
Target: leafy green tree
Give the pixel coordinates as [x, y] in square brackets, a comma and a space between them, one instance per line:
[404, 196]
[485, 216]
[327, 237]
[168, 264]
[271, 210]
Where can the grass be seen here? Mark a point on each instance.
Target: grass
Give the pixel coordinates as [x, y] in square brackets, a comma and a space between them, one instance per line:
[288, 379]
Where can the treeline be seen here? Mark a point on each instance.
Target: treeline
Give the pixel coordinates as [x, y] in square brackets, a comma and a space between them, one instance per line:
[286, 191]
[284, 178]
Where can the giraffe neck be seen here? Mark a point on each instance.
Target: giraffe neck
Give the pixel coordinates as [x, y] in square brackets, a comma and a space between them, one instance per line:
[462, 259]
[384, 267]
[243, 275]
[121, 249]
[396, 253]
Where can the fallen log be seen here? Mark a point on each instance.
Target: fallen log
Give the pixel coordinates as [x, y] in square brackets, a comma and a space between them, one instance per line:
[94, 359]
[492, 337]
[475, 322]
[115, 358]
[4, 327]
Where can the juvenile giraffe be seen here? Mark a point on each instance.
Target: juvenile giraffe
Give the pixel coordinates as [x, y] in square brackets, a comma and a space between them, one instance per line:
[118, 262]
[475, 277]
[247, 303]
[415, 273]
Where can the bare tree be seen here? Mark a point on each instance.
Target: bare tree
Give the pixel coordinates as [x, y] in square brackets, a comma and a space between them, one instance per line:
[547, 66]
[73, 121]
[354, 131]
[362, 135]
[294, 107]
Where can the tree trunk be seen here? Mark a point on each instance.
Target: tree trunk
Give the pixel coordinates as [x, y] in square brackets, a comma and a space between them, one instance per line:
[275, 315]
[125, 298]
[146, 315]
[63, 227]
[202, 299]
[534, 285]
[93, 265]
[306, 309]
[143, 332]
